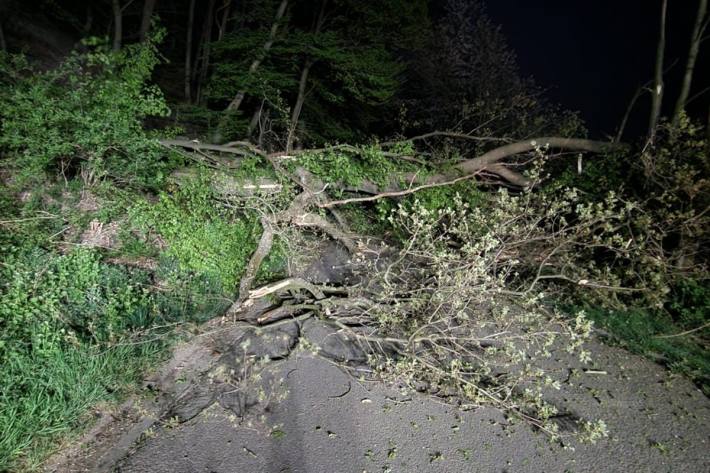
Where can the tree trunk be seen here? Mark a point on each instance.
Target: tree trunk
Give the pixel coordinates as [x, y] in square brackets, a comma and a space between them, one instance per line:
[301, 98]
[188, 52]
[262, 119]
[695, 40]
[237, 100]
[298, 106]
[148, 7]
[117, 24]
[86, 29]
[206, 46]
[227, 7]
[627, 114]
[3, 45]
[255, 119]
[658, 84]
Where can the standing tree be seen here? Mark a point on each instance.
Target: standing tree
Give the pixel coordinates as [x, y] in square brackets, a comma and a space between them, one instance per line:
[301, 96]
[226, 9]
[148, 7]
[188, 51]
[236, 102]
[467, 80]
[336, 60]
[117, 24]
[203, 64]
[701, 23]
[658, 84]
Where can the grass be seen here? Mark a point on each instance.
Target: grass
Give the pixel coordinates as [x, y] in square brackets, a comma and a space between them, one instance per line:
[41, 401]
[654, 334]
[76, 331]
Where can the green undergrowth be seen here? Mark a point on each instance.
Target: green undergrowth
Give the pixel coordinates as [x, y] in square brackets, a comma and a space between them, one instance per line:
[50, 400]
[433, 200]
[76, 331]
[203, 236]
[84, 117]
[662, 338]
[351, 167]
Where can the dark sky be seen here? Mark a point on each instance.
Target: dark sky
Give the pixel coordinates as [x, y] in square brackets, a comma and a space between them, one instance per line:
[591, 55]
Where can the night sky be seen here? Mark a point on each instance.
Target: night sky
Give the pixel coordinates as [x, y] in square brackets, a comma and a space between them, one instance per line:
[591, 55]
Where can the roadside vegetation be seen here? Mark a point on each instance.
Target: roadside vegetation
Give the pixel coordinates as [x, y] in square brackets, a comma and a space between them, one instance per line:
[118, 236]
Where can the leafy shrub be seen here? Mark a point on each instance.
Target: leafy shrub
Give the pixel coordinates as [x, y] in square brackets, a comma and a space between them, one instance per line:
[432, 200]
[670, 190]
[200, 234]
[464, 298]
[350, 166]
[50, 302]
[75, 331]
[84, 117]
[689, 303]
[56, 314]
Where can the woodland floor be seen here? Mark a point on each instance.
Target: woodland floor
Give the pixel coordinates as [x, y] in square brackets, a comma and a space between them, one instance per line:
[311, 408]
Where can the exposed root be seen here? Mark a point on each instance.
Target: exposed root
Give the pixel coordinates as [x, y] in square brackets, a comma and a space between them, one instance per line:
[290, 284]
[316, 221]
[262, 250]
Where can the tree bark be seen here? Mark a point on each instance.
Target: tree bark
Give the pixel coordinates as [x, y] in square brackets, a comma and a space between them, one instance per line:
[3, 45]
[239, 98]
[489, 161]
[188, 52]
[255, 119]
[117, 24]
[148, 7]
[227, 7]
[265, 243]
[86, 29]
[206, 46]
[301, 97]
[262, 117]
[471, 168]
[298, 106]
[695, 40]
[658, 85]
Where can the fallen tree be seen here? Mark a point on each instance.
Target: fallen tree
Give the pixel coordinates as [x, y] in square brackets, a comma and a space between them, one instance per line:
[457, 309]
[489, 161]
[315, 194]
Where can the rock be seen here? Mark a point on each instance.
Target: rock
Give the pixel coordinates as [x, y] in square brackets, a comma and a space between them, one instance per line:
[331, 343]
[236, 401]
[259, 344]
[191, 402]
[332, 266]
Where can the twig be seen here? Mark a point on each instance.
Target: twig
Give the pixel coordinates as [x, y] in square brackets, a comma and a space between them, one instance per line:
[448, 134]
[283, 312]
[687, 332]
[287, 284]
[334, 203]
[29, 219]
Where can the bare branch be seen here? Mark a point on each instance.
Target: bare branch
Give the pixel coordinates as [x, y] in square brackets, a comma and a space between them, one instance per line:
[383, 195]
[448, 134]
